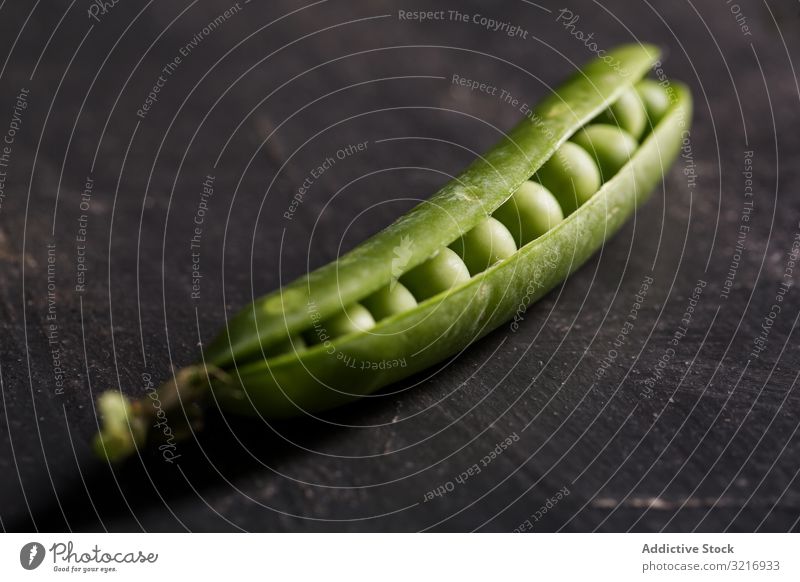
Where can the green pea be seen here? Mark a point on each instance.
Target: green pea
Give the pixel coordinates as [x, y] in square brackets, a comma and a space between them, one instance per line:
[530, 212]
[441, 272]
[483, 246]
[354, 318]
[611, 146]
[655, 100]
[390, 300]
[571, 176]
[627, 112]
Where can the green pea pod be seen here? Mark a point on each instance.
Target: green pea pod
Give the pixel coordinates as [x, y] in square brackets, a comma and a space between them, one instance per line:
[455, 209]
[252, 367]
[397, 347]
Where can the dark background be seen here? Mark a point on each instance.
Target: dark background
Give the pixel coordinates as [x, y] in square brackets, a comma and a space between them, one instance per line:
[260, 102]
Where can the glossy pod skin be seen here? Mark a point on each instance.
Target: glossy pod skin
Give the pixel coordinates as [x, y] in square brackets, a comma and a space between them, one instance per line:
[488, 244]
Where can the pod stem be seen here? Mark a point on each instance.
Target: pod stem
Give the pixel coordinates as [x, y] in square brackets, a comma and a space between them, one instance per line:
[169, 414]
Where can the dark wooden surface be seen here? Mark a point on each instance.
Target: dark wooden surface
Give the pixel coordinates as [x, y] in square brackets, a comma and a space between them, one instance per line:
[271, 93]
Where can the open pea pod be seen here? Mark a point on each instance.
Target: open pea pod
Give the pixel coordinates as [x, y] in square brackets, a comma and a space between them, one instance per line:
[455, 209]
[486, 246]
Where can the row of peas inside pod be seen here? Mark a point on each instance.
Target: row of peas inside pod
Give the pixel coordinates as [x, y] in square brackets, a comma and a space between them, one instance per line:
[566, 181]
